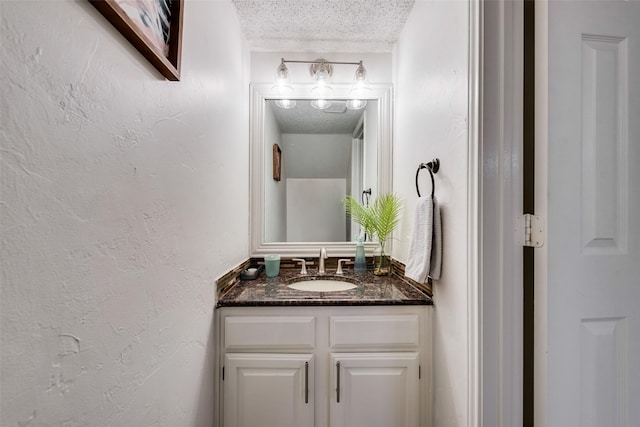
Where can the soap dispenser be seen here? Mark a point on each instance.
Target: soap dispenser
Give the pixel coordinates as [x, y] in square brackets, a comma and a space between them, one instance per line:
[361, 261]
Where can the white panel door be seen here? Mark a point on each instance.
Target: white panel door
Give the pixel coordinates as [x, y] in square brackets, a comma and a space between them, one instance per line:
[592, 273]
[374, 390]
[263, 390]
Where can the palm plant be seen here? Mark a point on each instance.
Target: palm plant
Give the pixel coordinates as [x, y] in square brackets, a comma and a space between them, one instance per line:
[379, 219]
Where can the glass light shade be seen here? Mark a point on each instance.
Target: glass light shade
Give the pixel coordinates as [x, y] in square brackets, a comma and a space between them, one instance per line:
[359, 90]
[283, 87]
[286, 103]
[321, 104]
[322, 95]
[361, 73]
[322, 84]
[322, 76]
[285, 91]
[282, 75]
[360, 86]
[356, 104]
[321, 92]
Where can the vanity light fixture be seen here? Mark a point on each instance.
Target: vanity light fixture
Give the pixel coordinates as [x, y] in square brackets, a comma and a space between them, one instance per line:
[321, 71]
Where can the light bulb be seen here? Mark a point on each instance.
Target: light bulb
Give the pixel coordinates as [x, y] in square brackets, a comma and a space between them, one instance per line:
[282, 75]
[321, 104]
[282, 84]
[359, 90]
[286, 103]
[322, 80]
[321, 92]
[356, 104]
[361, 74]
[360, 84]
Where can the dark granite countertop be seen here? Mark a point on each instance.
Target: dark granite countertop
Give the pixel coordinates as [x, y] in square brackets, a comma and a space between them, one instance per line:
[370, 290]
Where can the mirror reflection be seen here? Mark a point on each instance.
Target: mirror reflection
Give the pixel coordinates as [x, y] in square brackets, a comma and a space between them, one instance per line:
[313, 159]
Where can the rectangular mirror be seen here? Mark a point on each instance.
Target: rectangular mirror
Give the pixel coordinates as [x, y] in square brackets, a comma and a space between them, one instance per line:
[304, 161]
[320, 156]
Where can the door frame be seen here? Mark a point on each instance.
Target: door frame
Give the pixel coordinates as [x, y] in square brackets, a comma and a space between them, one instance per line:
[495, 202]
[474, 215]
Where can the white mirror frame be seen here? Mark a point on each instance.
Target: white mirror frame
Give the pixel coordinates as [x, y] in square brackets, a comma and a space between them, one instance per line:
[260, 92]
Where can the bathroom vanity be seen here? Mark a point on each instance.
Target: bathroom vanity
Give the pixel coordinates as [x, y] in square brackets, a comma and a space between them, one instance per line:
[286, 357]
[291, 358]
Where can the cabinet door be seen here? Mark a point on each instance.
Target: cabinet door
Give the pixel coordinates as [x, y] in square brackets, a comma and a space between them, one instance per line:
[268, 390]
[374, 390]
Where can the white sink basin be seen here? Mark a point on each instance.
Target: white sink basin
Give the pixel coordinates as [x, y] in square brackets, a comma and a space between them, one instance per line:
[322, 285]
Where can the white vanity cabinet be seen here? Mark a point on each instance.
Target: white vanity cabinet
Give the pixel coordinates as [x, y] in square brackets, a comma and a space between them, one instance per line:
[324, 366]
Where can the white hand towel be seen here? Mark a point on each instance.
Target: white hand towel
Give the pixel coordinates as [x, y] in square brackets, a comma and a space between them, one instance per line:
[419, 260]
[436, 245]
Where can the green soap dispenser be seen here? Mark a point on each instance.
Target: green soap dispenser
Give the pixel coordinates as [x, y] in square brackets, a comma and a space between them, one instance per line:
[361, 261]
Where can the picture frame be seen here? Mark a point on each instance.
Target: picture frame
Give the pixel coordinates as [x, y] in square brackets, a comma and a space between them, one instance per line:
[277, 162]
[154, 27]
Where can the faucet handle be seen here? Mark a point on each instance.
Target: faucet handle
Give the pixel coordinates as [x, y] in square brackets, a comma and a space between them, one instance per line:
[339, 270]
[303, 270]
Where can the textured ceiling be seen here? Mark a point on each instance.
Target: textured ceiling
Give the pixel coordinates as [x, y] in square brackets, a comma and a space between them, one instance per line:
[323, 25]
[305, 119]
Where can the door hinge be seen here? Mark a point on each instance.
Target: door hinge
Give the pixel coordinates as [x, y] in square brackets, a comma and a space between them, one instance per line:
[419, 372]
[223, 373]
[530, 231]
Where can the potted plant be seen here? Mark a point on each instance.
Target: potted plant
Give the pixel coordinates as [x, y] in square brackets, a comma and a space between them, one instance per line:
[379, 219]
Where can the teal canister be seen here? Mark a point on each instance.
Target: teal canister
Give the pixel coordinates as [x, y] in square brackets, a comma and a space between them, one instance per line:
[361, 261]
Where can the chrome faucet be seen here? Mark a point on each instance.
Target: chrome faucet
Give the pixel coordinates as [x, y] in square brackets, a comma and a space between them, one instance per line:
[321, 258]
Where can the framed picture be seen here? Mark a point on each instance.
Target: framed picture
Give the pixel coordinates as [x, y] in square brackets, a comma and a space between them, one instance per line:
[277, 162]
[154, 27]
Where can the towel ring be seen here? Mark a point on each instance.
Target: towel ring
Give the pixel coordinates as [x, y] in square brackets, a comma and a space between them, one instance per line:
[364, 197]
[433, 167]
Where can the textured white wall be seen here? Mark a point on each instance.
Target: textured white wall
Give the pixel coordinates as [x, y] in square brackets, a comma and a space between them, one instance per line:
[430, 76]
[123, 197]
[314, 210]
[317, 155]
